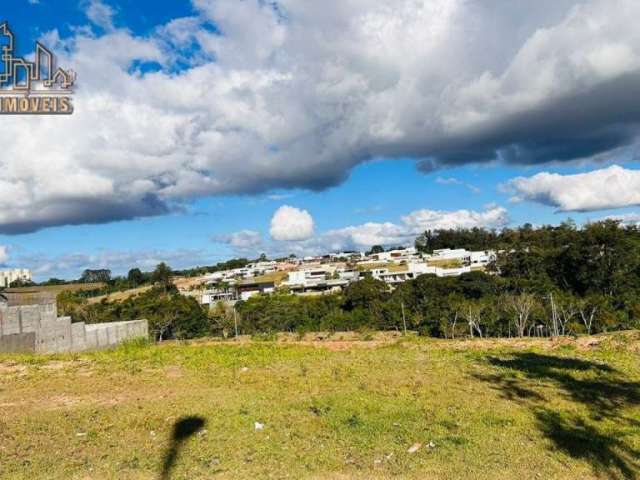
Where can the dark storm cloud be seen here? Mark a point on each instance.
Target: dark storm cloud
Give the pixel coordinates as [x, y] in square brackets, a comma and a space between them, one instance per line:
[580, 125]
[86, 211]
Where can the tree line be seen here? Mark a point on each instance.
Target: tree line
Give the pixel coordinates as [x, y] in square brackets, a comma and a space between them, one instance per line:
[135, 277]
[547, 281]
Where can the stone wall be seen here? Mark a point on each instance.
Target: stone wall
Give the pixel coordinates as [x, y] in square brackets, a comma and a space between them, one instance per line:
[38, 329]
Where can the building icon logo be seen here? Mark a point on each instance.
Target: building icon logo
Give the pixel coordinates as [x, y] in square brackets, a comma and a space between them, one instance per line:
[32, 87]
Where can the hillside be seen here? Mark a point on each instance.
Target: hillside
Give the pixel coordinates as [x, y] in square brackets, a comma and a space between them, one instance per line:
[56, 289]
[345, 407]
[120, 296]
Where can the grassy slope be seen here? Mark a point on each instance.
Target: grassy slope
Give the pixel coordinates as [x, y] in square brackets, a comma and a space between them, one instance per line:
[56, 289]
[120, 296]
[493, 410]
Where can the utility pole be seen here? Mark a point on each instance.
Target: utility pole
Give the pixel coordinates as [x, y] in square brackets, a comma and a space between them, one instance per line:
[404, 320]
[235, 321]
[554, 316]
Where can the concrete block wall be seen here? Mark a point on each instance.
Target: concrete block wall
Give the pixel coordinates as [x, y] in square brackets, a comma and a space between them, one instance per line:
[54, 336]
[10, 324]
[37, 328]
[103, 335]
[18, 343]
[78, 337]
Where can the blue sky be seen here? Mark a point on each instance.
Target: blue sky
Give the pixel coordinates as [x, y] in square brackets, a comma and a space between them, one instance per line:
[341, 190]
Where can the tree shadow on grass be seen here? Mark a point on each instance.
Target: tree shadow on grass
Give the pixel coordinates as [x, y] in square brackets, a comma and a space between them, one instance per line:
[603, 395]
[511, 388]
[606, 453]
[183, 429]
[601, 389]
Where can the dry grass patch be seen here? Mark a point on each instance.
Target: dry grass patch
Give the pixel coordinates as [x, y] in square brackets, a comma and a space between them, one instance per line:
[120, 296]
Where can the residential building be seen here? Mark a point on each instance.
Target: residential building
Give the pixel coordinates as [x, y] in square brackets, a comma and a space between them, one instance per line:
[248, 288]
[397, 256]
[7, 277]
[334, 272]
[213, 296]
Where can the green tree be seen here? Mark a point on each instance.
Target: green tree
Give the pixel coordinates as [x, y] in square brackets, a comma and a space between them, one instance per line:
[96, 276]
[223, 319]
[21, 283]
[161, 276]
[135, 277]
[365, 300]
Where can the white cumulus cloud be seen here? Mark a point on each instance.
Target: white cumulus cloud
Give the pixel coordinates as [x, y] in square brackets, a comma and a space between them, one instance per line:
[625, 219]
[291, 224]
[100, 13]
[412, 225]
[607, 188]
[244, 239]
[365, 235]
[291, 94]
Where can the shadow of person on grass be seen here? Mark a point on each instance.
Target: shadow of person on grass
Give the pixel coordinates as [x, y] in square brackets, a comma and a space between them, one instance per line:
[600, 389]
[183, 429]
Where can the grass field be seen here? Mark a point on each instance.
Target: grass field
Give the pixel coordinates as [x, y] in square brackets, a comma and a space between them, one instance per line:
[56, 289]
[332, 409]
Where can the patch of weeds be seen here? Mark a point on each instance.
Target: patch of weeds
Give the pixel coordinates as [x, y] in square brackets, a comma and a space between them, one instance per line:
[455, 440]
[493, 421]
[318, 409]
[130, 464]
[354, 421]
[365, 334]
[449, 424]
[264, 337]
[568, 348]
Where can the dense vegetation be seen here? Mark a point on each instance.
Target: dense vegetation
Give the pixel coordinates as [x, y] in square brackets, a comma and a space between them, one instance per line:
[170, 314]
[548, 281]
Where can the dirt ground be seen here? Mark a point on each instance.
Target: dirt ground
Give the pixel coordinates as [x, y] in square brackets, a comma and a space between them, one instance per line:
[341, 341]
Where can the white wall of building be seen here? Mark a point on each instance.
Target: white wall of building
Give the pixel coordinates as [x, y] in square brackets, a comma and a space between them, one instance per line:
[7, 277]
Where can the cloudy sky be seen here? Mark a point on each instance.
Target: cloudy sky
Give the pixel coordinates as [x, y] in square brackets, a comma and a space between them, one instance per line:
[209, 129]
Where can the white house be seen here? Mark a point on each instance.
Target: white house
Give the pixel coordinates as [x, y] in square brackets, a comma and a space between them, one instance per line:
[396, 256]
[7, 277]
[211, 297]
[483, 257]
[308, 276]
